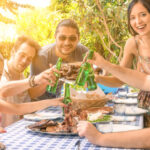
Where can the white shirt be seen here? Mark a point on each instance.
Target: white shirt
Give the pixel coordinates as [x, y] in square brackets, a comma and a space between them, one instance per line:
[8, 119]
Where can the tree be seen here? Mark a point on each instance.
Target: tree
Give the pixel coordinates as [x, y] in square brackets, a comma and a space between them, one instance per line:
[102, 23]
[12, 7]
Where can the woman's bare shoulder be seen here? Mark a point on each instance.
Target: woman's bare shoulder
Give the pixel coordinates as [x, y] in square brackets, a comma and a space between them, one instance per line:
[130, 46]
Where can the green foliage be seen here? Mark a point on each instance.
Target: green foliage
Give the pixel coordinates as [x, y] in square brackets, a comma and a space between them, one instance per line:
[27, 72]
[39, 24]
[102, 24]
[5, 48]
[108, 39]
[11, 7]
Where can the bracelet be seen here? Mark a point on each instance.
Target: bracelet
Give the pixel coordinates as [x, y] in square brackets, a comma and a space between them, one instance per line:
[31, 81]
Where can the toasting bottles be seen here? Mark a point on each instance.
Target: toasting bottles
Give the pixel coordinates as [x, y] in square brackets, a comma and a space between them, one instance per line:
[86, 74]
[52, 89]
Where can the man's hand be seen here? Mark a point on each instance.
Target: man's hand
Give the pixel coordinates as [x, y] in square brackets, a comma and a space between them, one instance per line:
[86, 129]
[47, 77]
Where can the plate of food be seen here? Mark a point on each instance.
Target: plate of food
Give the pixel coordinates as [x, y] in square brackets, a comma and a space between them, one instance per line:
[69, 71]
[103, 118]
[129, 110]
[52, 127]
[98, 118]
[99, 114]
[125, 101]
[118, 118]
[132, 95]
[105, 128]
[37, 116]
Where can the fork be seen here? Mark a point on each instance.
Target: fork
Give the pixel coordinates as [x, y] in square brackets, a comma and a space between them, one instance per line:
[77, 145]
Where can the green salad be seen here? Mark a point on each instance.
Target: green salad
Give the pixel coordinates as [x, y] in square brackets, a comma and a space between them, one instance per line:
[104, 119]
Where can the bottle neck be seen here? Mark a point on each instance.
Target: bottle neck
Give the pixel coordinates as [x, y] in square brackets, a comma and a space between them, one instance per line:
[90, 55]
[67, 90]
[58, 64]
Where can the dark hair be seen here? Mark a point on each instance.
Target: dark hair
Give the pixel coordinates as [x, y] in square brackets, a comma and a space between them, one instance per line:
[67, 23]
[145, 3]
[27, 40]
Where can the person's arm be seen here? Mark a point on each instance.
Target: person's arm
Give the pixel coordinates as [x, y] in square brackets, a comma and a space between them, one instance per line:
[45, 78]
[130, 139]
[129, 76]
[24, 108]
[127, 61]
[12, 88]
[110, 81]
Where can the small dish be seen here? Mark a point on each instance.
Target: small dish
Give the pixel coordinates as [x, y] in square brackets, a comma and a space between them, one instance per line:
[125, 101]
[42, 116]
[105, 128]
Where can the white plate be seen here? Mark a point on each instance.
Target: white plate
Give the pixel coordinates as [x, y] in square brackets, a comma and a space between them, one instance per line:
[122, 118]
[129, 110]
[116, 127]
[42, 115]
[122, 93]
[50, 133]
[132, 95]
[125, 101]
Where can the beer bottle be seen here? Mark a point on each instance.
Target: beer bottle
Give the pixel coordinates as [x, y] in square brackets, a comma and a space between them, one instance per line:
[84, 71]
[67, 99]
[52, 89]
[91, 84]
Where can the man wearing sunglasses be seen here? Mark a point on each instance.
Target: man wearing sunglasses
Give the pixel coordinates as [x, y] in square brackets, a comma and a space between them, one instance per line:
[66, 46]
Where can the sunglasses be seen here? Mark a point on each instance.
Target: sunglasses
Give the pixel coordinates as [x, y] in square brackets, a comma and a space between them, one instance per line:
[71, 38]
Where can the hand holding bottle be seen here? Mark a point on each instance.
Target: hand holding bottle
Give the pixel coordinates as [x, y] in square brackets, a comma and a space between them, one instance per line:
[46, 76]
[97, 60]
[86, 73]
[52, 89]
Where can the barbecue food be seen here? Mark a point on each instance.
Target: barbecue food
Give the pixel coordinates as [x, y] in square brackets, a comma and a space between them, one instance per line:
[69, 125]
[42, 124]
[70, 71]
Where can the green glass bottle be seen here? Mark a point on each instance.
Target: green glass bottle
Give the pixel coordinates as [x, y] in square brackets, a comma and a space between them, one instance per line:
[91, 84]
[67, 99]
[84, 71]
[52, 89]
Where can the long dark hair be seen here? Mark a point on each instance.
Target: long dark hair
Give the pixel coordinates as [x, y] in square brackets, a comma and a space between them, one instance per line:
[145, 3]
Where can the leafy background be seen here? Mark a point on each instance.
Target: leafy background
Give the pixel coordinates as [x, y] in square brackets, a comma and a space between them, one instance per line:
[102, 23]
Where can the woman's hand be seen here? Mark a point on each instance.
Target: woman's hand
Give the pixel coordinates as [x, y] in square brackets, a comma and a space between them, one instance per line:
[58, 102]
[97, 59]
[88, 130]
